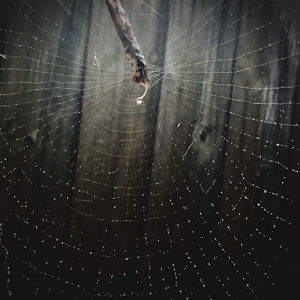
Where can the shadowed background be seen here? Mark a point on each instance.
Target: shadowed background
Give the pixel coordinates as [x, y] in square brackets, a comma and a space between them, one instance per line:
[192, 194]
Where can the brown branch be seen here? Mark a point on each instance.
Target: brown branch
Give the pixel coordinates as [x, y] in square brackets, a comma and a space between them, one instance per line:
[130, 43]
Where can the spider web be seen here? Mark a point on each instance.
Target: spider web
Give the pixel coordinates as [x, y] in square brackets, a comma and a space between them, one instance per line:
[191, 193]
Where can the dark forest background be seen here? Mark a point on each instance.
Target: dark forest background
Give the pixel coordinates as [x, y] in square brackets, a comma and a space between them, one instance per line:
[191, 195]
